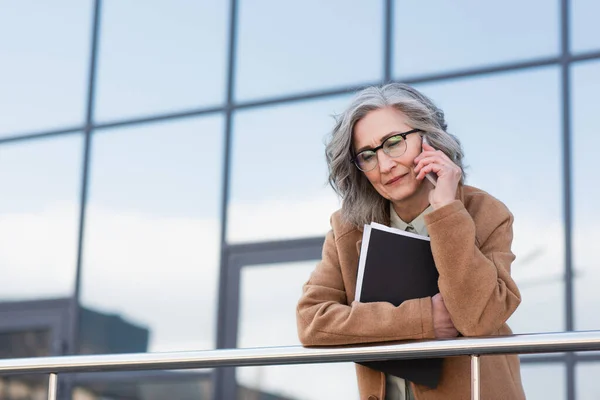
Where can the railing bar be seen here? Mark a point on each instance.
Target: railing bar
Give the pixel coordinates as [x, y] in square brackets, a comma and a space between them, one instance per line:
[475, 378]
[52, 386]
[517, 344]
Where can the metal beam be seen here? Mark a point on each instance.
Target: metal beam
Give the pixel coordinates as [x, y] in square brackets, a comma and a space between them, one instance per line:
[464, 346]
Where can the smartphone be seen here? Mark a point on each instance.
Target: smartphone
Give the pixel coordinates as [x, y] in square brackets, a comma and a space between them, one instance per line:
[430, 176]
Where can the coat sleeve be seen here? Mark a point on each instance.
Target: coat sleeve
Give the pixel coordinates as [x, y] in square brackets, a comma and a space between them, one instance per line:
[475, 280]
[324, 316]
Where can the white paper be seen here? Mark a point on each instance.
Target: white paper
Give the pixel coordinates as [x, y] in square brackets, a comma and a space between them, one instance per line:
[361, 261]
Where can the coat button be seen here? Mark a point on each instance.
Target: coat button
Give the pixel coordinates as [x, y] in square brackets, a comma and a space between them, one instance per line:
[373, 398]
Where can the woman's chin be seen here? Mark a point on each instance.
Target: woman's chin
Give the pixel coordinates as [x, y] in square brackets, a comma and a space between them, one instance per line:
[405, 192]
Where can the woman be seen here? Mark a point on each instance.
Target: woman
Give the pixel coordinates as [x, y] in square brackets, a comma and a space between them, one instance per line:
[378, 160]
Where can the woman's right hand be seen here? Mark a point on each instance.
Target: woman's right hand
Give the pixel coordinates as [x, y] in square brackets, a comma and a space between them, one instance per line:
[442, 323]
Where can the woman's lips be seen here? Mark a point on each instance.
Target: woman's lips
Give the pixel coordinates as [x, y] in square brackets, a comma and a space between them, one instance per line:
[396, 179]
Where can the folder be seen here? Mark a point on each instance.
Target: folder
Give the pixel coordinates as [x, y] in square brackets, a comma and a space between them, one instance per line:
[395, 266]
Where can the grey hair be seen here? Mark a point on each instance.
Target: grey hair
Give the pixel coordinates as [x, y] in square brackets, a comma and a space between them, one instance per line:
[361, 203]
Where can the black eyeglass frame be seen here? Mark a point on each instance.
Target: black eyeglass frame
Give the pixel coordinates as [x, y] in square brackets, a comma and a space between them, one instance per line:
[374, 150]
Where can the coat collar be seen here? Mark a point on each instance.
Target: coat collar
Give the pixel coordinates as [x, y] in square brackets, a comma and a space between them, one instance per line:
[460, 195]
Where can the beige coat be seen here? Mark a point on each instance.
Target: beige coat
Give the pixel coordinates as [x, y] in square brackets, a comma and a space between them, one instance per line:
[471, 244]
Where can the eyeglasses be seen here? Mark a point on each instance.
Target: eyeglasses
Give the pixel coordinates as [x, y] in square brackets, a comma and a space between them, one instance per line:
[394, 146]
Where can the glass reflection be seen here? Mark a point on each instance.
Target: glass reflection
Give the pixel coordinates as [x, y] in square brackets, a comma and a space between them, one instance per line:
[39, 211]
[282, 149]
[151, 238]
[299, 46]
[586, 194]
[587, 386]
[144, 386]
[536, 379]
[266, 322]
[437, 36]
[18, 344]
[45, 49]
[584, 27]
[160, 57]
[509, 125]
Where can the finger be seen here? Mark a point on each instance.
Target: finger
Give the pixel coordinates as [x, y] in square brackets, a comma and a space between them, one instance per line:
[444, 156]
[439, 167]
[431, 159]
[428, 153]
[432, 167]
[428, 150]
[427, 146]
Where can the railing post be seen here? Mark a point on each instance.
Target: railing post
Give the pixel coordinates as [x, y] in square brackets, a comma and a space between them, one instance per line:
[475, 381]
[52, 387]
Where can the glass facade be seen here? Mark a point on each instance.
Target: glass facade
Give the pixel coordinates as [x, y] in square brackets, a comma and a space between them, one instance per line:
[165, 187]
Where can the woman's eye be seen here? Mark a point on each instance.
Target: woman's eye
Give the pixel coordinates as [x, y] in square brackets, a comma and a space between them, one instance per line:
[366, 156]
[394, 141]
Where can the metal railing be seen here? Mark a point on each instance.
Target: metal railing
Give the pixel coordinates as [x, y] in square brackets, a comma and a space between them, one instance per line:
[474, 347]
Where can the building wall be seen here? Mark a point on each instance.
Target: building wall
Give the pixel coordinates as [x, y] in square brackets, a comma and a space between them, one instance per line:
[163, 162]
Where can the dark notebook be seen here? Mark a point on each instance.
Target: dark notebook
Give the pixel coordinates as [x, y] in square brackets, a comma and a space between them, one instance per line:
[396, 266]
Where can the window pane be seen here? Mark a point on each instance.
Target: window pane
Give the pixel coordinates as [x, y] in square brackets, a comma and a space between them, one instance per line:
[160, 56]
[437, 36]
[43, 73]
[512, 147]
[586, 380]
[152, 232]
[286, 47]
[146, 385]
[17, 387]
[585, 32]
[544, 381]
[39, 211]
[267, 323]
[31, 343]
[586, 194]
[279, 177]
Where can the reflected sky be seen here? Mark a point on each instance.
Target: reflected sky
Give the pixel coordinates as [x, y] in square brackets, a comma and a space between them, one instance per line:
[277, 327]
[44, 49]
[39, 217]
[286, 47]
[586, 193]
[278, 160]
[585, 30]
[535, 381]
[152, 219]
[154, 205]
[155, 57]
[427, 33]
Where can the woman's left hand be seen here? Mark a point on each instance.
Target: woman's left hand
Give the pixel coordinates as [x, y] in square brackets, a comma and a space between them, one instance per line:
[448, 175]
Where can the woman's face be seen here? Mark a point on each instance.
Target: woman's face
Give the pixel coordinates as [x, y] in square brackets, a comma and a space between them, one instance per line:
[393, 178]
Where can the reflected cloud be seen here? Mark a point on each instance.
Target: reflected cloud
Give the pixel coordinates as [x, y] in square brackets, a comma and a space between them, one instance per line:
[281, 218]
[37, 252]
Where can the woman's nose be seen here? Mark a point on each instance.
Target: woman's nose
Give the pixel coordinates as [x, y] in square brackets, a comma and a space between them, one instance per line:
[386, 163]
